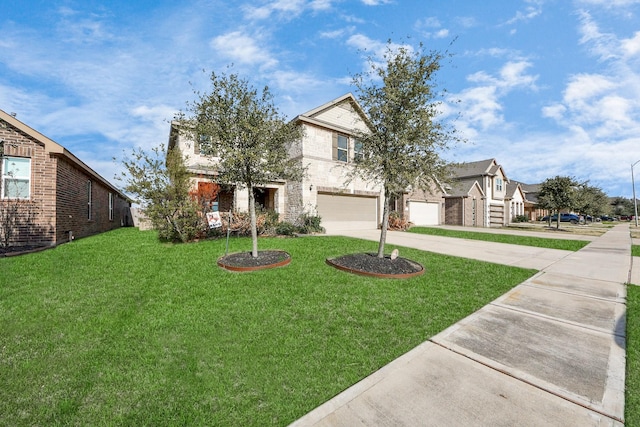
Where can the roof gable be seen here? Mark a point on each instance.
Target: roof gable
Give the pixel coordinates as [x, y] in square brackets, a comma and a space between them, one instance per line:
[464, 188]
[488, 167]
[342, 114]
[53, 147]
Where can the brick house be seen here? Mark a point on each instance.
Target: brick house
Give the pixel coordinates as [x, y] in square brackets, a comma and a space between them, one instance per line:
[56, 196]
[465, 204]
[532, 210]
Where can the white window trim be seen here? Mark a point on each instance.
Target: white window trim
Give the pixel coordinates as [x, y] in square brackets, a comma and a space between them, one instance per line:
[110, 206]
[345, 150]
[5, 176]
[89, 200]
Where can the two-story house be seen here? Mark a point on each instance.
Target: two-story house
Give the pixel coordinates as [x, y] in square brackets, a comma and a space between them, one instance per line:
[478, 195]
[327, 150]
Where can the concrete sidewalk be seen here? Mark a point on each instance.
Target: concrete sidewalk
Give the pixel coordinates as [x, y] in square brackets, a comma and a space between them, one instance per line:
[551, 352]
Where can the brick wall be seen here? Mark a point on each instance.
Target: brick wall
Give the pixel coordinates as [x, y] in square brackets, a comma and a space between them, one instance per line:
[72, 204]
[58, 191]
[35, 219]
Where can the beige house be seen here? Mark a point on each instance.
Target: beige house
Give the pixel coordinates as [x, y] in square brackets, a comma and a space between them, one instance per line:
[327, 150]
[514, 202]
[424, 208]
[489, 176]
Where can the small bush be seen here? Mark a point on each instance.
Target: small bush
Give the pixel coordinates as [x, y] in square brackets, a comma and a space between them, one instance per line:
[397, 222]
[309, 223]
[521, 218]
[285, 229]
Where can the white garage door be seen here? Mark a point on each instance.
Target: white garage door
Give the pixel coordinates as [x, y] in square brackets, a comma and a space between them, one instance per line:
[340, 212]
[424, 213]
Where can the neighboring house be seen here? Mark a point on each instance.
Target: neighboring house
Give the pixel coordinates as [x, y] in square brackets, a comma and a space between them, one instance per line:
[327, 150]
[66, 198]
[514, 201]
[464, 204]
[424, 207]
[531, 209]
[205, 174]
[478, 195]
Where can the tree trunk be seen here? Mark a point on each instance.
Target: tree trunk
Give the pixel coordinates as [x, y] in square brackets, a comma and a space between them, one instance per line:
[558, 220]
[254, 227]
[385, 225]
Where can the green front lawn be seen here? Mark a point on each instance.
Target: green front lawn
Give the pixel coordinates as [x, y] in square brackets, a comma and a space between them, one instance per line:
[120, 329]
[635, 251]
[539, 242]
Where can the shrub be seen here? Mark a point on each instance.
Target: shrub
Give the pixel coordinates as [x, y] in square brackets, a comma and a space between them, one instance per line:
[309, 223]
[520, 218]
[397, 222]
[285, 229]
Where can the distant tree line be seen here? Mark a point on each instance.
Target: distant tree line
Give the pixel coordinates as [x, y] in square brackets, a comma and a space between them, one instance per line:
[564, 193]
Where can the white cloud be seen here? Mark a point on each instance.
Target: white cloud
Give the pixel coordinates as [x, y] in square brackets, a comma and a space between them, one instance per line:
[528, 14]
[609, 3]
[631, 46]
[431, 27]
[375, 2]
[243, 48]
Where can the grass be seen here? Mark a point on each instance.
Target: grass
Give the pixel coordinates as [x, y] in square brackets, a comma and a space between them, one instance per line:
[118, 329]
[635, 250]
[540, 242]
[632, 385]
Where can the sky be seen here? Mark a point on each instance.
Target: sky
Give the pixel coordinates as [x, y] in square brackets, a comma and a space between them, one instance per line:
[546, 87]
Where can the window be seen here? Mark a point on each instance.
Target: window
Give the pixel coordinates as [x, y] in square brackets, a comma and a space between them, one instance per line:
[16, 178]
[498, 184]
[110, 206]
[203, 144]
[358, 154]
[89, 200]
[343, 148]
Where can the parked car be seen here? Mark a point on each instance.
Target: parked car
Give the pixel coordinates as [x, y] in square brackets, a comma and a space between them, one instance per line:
[565, 217]
[626, 217]
[608, 218]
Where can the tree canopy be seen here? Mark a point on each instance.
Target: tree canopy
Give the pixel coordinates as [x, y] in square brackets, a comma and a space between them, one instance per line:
[403, 145]
[590, 200]
[557, 193]
[160, 182]
[246, 132]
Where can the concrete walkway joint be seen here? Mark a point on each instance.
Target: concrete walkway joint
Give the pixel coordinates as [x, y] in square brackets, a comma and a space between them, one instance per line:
[550, 352]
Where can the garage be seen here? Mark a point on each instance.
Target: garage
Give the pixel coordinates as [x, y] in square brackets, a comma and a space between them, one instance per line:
[424, 213]
[347, 212]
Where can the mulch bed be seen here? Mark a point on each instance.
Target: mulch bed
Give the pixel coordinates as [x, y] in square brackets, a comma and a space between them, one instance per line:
[244, 261]
[368, 264]
[21, 250]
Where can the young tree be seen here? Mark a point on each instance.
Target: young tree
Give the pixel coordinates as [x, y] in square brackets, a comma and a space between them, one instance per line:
[590, 200]
[402, 148]
[160, 182]
[247, 132]
[557, 194]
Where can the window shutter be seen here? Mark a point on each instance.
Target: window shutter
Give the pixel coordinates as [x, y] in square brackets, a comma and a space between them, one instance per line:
[334, 146]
